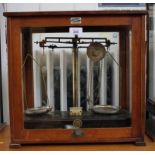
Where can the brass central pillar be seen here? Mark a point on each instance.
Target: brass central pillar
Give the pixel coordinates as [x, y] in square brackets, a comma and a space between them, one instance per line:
[75, 71]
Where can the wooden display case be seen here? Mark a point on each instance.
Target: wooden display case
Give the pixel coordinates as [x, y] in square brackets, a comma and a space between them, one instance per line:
[125, 126]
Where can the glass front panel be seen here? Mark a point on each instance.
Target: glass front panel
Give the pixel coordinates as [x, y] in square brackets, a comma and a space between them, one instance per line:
[151, 57]
[75, 77]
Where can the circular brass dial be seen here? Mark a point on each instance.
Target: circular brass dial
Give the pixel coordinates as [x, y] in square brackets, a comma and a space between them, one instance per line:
[77, 123]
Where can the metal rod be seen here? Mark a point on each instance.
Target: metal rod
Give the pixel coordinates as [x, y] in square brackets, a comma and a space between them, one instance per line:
[72, 38]
[54, 47]
[82, 42]
[65, 47]
[91, 72]
[74, 81]
[75, 69]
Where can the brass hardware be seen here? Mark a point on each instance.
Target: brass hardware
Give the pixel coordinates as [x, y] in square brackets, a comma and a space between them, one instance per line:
[75, 42]
[74, 72]
[75, 20]
[75, 111]
[77, 123]
[96, 51]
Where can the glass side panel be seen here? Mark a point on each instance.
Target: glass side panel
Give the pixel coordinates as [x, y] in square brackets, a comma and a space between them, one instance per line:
[151, 56]
[75, 78]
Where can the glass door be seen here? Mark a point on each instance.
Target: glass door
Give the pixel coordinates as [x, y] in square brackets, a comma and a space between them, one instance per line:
[151, 54]
[76, 77]
[150, 114]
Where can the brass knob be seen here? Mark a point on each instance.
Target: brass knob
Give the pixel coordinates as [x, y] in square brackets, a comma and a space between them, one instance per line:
[77, 123]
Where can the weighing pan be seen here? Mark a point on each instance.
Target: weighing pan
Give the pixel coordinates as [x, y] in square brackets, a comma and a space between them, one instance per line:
[96, 51]
[37, 111]
[105, 109]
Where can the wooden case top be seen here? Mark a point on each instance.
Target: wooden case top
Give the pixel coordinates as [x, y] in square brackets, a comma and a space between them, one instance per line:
[76, 13]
